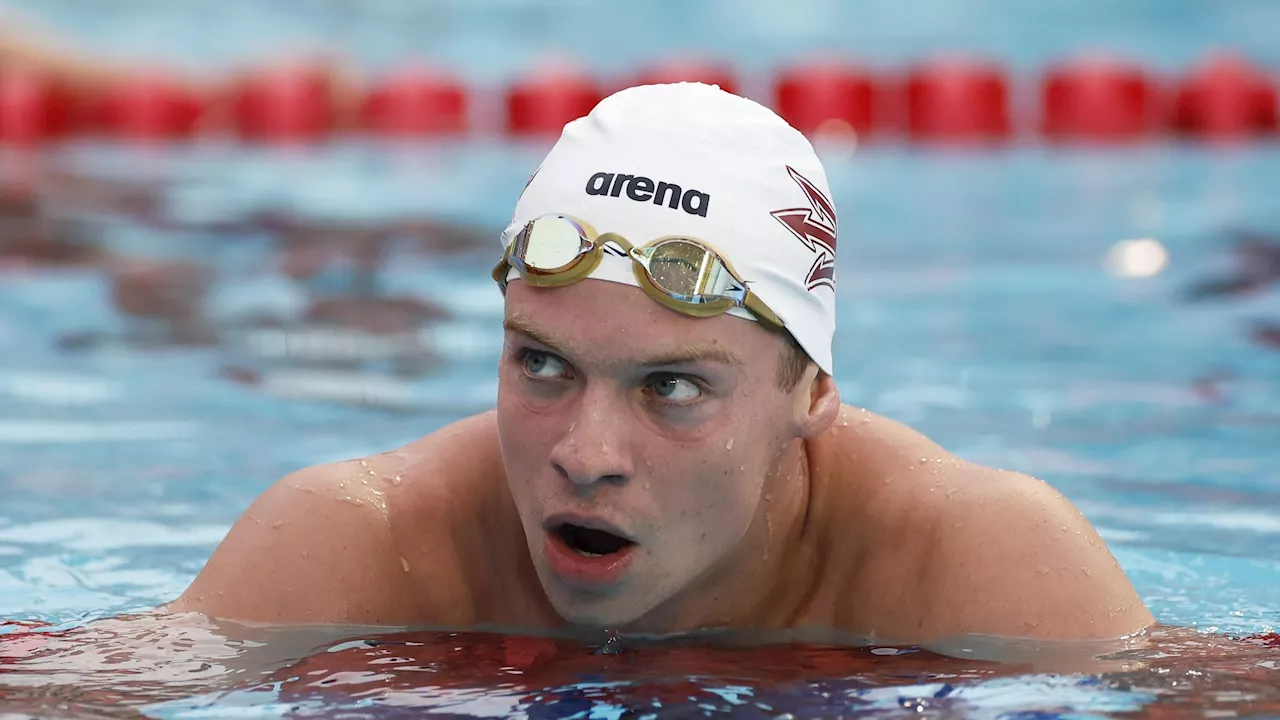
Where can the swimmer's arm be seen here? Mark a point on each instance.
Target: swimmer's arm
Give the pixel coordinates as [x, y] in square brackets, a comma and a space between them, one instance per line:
[1013, 557]
[314, 548]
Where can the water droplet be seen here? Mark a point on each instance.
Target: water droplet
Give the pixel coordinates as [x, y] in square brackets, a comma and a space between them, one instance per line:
[305, 554]
[729, 445]
[1042, 570]
[951, 492]
[1087, 572]
[573, 425]
[404, 564]
[396, 480]
[277, 524]
[613, 645]
[1064, 528]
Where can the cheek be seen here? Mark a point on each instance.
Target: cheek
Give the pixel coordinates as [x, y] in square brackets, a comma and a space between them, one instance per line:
[710, 487]
[740, 463]
[524, 437]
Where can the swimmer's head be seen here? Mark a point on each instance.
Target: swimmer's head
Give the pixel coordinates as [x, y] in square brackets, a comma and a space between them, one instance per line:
[690, 159]
[644, 446]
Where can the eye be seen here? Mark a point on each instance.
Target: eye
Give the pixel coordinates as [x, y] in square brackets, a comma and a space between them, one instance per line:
[542, 366]
[674, 388]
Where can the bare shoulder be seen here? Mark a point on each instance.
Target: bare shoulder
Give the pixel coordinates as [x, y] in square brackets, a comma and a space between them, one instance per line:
[1012, 556]
[959, 548]
[331, 543]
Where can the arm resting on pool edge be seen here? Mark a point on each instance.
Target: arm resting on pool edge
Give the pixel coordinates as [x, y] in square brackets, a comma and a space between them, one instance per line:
[1013, 557]
[316, 547]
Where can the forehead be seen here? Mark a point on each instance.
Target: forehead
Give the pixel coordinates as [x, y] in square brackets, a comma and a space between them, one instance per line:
[610, 321]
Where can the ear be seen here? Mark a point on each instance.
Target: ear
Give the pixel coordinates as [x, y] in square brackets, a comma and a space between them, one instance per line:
[817, 403]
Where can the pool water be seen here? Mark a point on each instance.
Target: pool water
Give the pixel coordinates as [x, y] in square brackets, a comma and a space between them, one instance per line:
[981, 301]
[1105, 319]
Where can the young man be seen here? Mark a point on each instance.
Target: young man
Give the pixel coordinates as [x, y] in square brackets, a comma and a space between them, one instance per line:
[669, 451]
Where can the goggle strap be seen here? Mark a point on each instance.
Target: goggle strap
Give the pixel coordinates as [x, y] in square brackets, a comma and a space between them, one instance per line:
[752, 302]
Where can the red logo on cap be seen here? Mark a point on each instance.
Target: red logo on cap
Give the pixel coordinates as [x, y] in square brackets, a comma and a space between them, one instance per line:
[815, 226]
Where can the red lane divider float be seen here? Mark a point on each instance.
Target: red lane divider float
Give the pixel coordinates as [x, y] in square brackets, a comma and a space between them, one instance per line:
[946, 100]
[541, 104]
[415, 101]
[34, 107]
[1225, 98]
[827, 99]
[1098, 100]
[689, 70]
[147, 107]
[957, 101]
[284, 104]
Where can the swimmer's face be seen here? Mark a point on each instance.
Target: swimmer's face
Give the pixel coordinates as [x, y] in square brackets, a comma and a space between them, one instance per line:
[639, 445]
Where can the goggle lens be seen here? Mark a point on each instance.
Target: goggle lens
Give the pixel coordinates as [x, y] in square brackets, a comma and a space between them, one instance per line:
[689, 270]
[550, 243]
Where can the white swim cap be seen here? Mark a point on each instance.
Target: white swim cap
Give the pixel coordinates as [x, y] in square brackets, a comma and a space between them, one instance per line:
[692, 160]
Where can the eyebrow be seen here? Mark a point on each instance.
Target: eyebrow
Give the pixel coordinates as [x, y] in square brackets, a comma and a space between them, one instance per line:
[687, 355]
[519, 325]
[698, 352]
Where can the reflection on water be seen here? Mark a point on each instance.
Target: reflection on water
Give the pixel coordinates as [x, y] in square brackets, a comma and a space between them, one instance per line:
[297, 302]
[185, 665]
[237, 332]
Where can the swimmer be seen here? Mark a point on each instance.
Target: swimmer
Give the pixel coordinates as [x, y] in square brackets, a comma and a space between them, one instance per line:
[668, 450]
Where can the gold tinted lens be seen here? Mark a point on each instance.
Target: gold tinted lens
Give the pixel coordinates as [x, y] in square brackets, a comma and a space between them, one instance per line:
[552, 243]
[678, 267]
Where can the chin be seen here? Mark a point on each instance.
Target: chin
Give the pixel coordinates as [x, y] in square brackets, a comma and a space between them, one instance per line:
[607, 608]
[581, 616]
[598, 612]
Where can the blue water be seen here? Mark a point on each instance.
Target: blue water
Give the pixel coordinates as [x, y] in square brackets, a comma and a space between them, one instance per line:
[496, 39]
[977, 304]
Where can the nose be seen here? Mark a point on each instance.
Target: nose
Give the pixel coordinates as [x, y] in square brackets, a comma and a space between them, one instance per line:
[594, 449]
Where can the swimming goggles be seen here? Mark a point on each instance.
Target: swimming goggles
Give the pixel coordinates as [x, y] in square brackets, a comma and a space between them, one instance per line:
[684, 274]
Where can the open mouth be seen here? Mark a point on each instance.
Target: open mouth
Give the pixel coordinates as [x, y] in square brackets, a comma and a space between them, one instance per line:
[590, 542]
